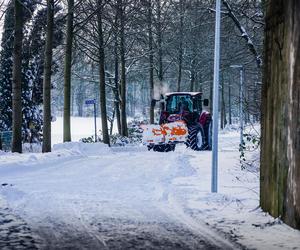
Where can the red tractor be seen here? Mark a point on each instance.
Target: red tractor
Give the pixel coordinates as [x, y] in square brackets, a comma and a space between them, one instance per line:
[182, 120]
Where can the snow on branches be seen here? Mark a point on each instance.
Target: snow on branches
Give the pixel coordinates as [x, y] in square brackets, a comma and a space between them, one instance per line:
[244, 33]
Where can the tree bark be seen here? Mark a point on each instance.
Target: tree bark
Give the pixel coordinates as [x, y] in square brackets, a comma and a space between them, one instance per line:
[223, 108]
[229, 104]
[116, 91]
[102, 75]
[17, 79]
[193, 75]
[180, 48]
[67, 73]
[47, 78]
[116, 80]
[124, 129]
[160, 51]
[280, 143]
[151, 60]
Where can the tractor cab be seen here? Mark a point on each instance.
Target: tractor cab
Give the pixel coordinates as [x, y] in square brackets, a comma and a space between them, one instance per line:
[177, 103]
[182, 106]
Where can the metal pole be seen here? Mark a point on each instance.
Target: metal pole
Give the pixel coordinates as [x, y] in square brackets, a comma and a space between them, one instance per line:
[95, 120]
[241, 106]
[214, 177]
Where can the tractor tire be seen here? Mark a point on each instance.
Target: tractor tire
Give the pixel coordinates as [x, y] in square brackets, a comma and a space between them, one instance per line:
[164, 148]
[195, 139]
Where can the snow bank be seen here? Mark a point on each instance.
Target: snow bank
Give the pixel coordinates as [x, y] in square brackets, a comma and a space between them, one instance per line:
[82, 148]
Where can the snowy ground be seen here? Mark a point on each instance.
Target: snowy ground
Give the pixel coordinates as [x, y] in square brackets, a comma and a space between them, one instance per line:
[88, 196]
[81, 127]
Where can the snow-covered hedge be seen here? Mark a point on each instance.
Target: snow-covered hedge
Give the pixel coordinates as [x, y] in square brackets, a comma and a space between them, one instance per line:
[134, 135]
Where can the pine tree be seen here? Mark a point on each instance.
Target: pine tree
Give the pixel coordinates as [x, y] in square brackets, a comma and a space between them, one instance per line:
[17, 79]
[6, 69]
[32, 68]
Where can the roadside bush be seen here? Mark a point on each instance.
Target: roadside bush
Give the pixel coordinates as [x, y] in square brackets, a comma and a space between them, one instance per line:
[135, 133]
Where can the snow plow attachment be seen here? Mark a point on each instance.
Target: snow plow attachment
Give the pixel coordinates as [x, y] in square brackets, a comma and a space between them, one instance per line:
[166, 133]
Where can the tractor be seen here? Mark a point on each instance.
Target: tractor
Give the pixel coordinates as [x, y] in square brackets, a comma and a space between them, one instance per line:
[182, 120]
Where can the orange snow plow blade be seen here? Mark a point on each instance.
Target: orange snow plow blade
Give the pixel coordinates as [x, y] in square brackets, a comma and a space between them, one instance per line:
[165, 133]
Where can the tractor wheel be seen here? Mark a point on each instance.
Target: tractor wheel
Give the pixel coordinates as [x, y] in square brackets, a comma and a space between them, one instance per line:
[195, 138]
[164, 148]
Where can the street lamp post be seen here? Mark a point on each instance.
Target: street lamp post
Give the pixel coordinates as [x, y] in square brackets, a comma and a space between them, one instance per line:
[241, 111]
[214, 177]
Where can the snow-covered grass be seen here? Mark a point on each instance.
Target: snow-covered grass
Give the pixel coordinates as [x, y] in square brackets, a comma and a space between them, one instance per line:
[81, 127]
[78, 184]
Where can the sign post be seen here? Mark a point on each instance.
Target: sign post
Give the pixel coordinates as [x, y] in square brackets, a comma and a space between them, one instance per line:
[93, 102]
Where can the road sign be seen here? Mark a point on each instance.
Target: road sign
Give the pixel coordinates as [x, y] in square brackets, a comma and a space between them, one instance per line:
[90, 102]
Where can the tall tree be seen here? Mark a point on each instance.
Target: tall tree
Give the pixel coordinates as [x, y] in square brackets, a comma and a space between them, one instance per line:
[17, 79]
[67, 72]
[151, 58]
[180, 47]
[47, 78]
[101, 55]
[6, 62]
[116, 69]
[159, 45]
[280, 147]
[32, 64]
[223, 105]
[121, 9]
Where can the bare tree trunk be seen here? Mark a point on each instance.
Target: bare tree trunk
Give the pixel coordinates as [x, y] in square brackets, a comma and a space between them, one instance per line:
[102, 75]
[151, 60]
[124, 130]
[211, 96]
[67, 73]
[193, 75]
[180, 48]
[47, 78]
[117, 92]
[229, 104]
[116, 79]
[280, 145]
[223, 106]
[17, 79]
[159, 44]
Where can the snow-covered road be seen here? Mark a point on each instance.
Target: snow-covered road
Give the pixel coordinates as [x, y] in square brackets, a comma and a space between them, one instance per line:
[110, 198]
[88, 196]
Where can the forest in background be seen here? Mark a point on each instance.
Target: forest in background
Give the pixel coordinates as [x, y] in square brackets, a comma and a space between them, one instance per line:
[149, 48]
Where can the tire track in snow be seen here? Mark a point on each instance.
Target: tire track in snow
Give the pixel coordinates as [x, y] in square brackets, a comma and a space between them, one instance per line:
[174, 210]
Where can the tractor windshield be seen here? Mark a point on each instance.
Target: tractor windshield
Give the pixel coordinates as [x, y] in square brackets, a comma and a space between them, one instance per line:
[179, 103]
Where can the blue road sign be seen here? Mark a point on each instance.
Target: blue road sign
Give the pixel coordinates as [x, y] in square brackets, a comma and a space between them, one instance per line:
[91, 101]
